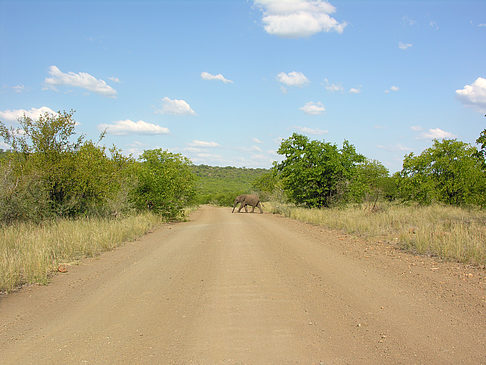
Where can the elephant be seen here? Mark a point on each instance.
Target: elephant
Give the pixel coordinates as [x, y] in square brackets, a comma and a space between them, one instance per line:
[248, 199]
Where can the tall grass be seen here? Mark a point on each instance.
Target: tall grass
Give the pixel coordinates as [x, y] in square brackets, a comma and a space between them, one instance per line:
[29, 252]
[445, 231]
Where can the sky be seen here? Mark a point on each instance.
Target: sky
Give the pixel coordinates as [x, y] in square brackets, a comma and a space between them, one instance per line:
[223, 82]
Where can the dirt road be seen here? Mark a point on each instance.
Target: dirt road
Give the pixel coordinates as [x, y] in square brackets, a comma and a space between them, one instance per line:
[249, 289]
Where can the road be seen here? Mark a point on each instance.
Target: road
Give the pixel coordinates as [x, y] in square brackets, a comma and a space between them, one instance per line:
[242, 288]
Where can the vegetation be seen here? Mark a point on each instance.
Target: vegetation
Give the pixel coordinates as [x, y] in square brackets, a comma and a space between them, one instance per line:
[220, 185]
[30, 252]
[165, 183]
[50, 173]
[438, 230]
[449, 172]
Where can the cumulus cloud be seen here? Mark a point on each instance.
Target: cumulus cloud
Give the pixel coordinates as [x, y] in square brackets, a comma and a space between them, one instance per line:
[404, 46]
[176, 106]
[293, 78]
[298, 18]
[474, 95]
[197, 143]
[313, 108]
[437, 133]
[311, 131]
[82, 79]
[33, 113]
[219, 77]
[124, 127]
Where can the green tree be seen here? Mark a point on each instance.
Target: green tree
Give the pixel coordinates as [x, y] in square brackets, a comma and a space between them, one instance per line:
[316, 173]
[448, 172]
[166, 183]
[481, 141]
[370, 182]
[52, 172]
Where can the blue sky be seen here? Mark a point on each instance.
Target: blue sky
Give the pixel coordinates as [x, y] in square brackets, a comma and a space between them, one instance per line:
[222, 82]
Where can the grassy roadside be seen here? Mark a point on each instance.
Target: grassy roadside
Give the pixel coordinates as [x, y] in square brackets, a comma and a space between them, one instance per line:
[445, 231]
[29, 253]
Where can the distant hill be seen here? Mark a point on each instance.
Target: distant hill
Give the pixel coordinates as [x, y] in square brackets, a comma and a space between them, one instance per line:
[220, 185]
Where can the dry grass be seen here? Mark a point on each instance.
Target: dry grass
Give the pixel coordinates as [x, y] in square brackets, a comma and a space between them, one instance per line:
[448, 232]
[29, 253]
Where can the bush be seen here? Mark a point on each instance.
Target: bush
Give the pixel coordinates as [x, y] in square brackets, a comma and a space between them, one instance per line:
[166, 183]
[51, 173]
[449, 172]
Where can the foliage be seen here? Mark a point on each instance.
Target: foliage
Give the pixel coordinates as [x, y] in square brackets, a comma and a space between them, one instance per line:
[165, 183]
[481, 154]
[370, 182]
[267, 185]
[51, 173]
[449, 172]
[316, 173]
[220, 185]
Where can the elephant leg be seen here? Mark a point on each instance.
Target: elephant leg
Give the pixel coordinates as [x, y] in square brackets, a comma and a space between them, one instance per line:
[241, 206]
[246, 208]
[253, 209]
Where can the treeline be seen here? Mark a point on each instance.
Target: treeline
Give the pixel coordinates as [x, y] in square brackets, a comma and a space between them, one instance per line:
[320, 174]
[51, 172]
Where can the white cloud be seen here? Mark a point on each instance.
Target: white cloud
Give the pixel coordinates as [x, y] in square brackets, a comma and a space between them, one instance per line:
[416, 128]
[82, 79]
[312, 131]
[293, 78]
[474, 95]
[313, 108]
[124, 127]
[197, 143]
[354, 90]
[404, 46]
[482, 25]
[208, 76]
[256, 140]
[114, 79]
[333, 87]
[33, 113]
[437, 133]
[392, 88]
[298, 18]
[175, 106]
